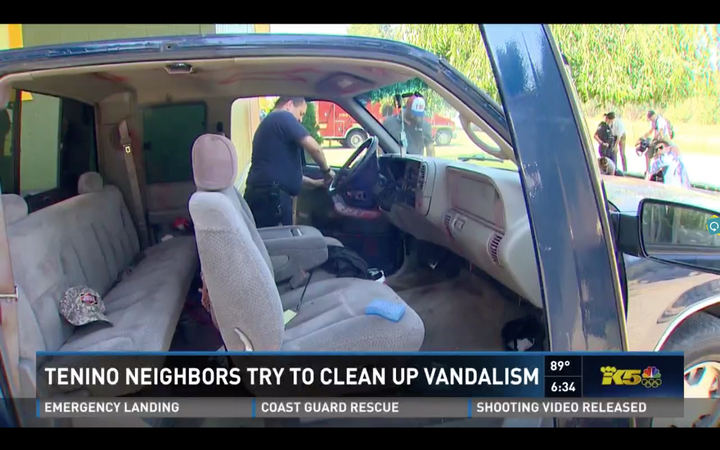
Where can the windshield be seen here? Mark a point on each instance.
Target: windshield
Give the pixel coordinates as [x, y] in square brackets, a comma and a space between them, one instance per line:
[430, 126]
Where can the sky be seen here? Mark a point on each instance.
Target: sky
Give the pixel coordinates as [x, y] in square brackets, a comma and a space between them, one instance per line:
[309, 28]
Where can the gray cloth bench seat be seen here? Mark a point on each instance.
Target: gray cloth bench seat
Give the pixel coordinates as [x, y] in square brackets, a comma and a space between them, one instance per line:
[90, 240]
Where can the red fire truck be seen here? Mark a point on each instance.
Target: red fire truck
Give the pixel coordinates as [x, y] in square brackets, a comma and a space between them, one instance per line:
[337, 125]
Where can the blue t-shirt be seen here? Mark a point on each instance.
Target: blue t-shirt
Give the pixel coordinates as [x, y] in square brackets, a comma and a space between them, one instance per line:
[277, 153]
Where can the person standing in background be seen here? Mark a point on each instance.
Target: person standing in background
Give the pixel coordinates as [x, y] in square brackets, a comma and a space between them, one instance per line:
[418, 131]
[618, 130]
[606, 140]
[660, 129]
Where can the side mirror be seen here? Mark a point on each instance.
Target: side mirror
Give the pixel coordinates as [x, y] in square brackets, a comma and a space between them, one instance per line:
[680, 234]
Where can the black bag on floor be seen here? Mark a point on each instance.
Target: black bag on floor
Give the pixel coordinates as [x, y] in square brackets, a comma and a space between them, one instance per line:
[523, 335]
[345, 263]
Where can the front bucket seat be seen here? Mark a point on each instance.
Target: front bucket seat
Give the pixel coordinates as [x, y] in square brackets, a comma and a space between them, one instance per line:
[346, 314]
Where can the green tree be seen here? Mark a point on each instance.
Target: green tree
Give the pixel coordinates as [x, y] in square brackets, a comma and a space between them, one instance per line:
[619, 64]
[383, 31]
[311, 124]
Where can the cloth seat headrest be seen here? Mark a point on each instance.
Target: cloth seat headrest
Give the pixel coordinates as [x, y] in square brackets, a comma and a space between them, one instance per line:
[14, 207]
[214, 162]
[90, 182]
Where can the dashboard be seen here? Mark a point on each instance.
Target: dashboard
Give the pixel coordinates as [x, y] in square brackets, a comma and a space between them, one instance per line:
[476, 212]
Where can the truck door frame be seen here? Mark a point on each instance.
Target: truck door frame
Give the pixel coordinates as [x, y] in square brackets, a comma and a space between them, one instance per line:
[567, 209]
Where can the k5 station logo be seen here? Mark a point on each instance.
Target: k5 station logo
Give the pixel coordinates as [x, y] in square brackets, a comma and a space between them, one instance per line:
[649, 378]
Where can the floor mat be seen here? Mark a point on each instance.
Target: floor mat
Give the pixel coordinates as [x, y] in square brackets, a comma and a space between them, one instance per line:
[420, 277]
[464, 314]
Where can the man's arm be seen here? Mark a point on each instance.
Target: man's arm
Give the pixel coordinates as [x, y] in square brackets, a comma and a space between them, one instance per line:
[299, 134]
[429, 142]
[315, 151]
[651, 131]
[597, 138]
[656, 164]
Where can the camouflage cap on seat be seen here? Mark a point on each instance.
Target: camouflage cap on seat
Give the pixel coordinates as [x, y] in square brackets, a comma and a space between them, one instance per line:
[81, 305]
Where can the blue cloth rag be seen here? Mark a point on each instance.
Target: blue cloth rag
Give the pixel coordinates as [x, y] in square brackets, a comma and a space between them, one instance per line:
[385, 309]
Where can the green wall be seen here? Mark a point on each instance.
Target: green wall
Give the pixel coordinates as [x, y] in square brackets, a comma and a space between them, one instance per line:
[34, 35]
[40, 134]
[40, 126]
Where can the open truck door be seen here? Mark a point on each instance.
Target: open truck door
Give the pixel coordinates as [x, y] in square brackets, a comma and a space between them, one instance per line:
[564, 197]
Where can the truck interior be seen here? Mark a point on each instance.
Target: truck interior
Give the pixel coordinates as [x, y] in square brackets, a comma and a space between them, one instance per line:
[135, 147]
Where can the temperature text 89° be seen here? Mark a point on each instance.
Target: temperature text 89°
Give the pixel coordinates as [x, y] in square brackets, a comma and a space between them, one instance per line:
[563, 365]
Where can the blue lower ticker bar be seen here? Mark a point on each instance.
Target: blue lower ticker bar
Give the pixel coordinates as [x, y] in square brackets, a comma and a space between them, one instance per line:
[528, 375]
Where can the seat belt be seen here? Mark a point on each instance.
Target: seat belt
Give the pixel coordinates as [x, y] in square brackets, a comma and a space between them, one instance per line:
[10, 351]
[126, 143]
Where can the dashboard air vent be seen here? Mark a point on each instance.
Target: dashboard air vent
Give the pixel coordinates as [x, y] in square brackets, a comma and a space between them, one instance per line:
[493, 248]
[448, 219]
[422, 176]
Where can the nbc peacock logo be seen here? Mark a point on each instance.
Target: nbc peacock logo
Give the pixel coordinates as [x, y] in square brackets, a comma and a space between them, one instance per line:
[651, 377]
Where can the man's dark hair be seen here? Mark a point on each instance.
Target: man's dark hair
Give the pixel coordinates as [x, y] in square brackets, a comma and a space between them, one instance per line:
[282, 101]
[610, 115]
[650, 113]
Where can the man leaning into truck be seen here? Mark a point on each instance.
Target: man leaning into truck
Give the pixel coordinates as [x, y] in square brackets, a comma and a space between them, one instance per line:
[276, 172]
[418, 132]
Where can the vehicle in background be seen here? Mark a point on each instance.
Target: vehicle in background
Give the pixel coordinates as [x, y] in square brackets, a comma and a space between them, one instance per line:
[337, 125]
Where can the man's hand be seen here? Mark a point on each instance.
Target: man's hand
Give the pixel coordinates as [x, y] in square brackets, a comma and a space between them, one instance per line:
[317, 184]
[329, 176]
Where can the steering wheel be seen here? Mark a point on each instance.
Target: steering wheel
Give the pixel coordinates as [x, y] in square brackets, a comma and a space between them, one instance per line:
[347, 174]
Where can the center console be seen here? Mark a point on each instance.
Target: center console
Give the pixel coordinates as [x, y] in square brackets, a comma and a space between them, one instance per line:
[297, 249]
[294, 249]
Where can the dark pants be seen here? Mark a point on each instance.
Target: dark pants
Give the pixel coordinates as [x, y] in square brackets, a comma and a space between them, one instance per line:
[608, 152]
[270, 205]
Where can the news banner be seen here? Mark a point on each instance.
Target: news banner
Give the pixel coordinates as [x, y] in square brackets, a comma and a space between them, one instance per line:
[419, 385]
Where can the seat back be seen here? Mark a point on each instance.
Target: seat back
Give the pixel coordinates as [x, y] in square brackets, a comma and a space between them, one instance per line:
[243, 209]
[235, 263]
